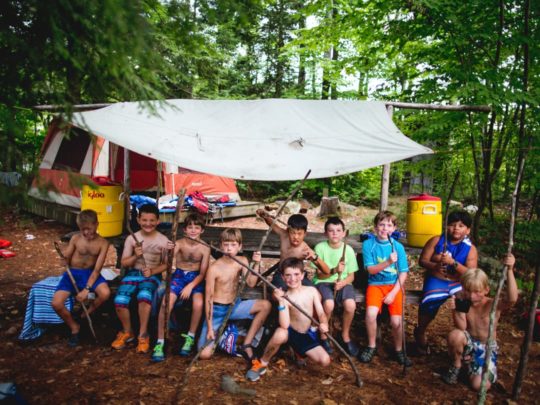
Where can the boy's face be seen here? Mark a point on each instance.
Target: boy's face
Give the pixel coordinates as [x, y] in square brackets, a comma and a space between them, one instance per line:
[458, 230]
[477, 296]
[335, 233]
[231, 247]
[148, 221]
[384, 229]
[296, 236]
[88, 230]
[293, 277]
[193, 231]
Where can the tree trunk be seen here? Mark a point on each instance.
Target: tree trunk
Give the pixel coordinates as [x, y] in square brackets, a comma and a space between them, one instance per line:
[329, 207]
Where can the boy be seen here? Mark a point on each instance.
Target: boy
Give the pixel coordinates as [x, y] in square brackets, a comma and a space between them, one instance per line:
[187, 282]
[292, 245]
[294, 326]
[469, 340]
[85, 256]
[144, 264]
[342, 260]
[222, 281]
[444, 270]
[386, 263]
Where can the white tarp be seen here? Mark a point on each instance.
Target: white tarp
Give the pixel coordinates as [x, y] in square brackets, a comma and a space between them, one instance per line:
[272, 139]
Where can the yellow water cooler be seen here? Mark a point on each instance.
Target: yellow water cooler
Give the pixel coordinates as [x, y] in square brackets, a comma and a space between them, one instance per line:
[424, 219]
[110, 209]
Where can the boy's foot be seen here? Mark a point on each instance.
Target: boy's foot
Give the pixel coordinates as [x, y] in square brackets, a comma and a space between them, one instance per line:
[402, 359]
[187, 347]
[122, 339]
[143, 345]
[326, 346]
[158, 353]
[246, 351]
[451, 376]
[256, 370]
[367, 354]
[351, 348]
[299, 360]
[73, 340]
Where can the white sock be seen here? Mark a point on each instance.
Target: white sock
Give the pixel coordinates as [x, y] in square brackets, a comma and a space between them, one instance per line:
[160, 341]
[191, 334]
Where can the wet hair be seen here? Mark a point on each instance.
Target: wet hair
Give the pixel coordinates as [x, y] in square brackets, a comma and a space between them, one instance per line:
[231, 235]
[87, 217]
[474, 280]
[149, 209]
[462, 216]
[333, 221]
[382, 215]
[194, 219]
[298, 221]
[291, 262]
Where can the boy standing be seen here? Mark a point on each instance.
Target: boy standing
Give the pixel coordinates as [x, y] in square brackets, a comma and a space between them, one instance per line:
[386, 263]
[294, 326]
[187, 282]
[342, 262]
[222, 281]
[144, 262]
[469, 340]
[444, 269]
[85, 256]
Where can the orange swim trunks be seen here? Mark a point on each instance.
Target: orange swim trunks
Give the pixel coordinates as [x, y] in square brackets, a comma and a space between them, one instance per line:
[375, 295]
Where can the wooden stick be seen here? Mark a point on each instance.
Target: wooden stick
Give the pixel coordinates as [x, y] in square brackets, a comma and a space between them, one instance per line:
[128, 225]
[339, 275]
[402, 288]
[74, 283]
[447, 210]
[179, 206]
[483, 386]
[273, 287]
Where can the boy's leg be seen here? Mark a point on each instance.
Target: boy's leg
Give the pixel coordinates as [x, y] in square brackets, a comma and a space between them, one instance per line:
[319, 356]
[259, 312]
[102, 294]
[196, 312]
[161, 316]
[58, 305]
[397, 332]
[145, 296]
[258, 367]
[457, 342]
[349, 308]
[371, 325]
[218, 315]
[326, 290]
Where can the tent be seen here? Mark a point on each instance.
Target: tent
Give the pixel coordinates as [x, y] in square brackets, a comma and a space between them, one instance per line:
[271, 139]
[65, 159]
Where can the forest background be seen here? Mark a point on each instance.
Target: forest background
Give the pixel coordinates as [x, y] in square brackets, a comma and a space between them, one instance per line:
[479, 52]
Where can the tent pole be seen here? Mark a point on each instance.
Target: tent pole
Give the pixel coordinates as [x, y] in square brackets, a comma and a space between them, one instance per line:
[385, 176]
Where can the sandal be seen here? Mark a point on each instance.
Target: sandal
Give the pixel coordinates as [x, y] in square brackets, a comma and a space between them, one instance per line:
[451, 376]
[367, 354]
[242, 351]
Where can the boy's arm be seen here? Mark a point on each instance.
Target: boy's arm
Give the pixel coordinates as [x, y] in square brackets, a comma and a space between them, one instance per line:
[512, 289]
[377, 268]
[426, 257]
[319, 310]
[268, 219]
[131, 253]
[209, 300]
[68, 252]
[470, 263]
[347, 280]
[251, 279]
[400, 283]
[460, 319]
[283, 309]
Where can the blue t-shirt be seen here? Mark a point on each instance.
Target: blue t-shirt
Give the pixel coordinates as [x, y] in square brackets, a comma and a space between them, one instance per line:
[459, 251]
[375, 251]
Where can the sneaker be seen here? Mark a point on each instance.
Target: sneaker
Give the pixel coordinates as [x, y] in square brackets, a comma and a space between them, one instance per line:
[367, 354]
[143, 345]
[122, 339]
[299, 360]
[402, 359]
[187, 347]
[451, 376]
[326, 346]
[73, 340]
[256, 370]
[351, 348]
[158, 353]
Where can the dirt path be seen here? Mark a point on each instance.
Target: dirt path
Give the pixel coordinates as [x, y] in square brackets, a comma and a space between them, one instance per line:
[47, 371]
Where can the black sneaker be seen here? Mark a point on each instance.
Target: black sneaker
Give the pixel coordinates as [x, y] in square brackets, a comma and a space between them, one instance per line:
[451, 376]
[367, 354]
[402, 359]
[326, 345]
[73, 340]
[351, 348]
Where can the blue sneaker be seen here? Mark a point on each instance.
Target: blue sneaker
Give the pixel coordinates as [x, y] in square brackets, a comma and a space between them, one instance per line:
[256, 371]
[189, 342]
[158, 354]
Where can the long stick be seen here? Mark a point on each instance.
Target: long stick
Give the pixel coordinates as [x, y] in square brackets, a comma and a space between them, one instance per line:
[490, 340]
[403, 334]
[128, 225]
[273, 287]
[179, 206]
[447, 210]
[74, 283]
[339, 274]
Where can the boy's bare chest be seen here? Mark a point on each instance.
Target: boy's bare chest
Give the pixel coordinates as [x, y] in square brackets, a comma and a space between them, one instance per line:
[84, 248]
[190, 254]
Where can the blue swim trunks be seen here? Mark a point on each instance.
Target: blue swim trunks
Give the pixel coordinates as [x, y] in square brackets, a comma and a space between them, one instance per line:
[134, 282]
[181, 278]
[241, 310]
[302, 342]
[435, 293]
[81, 277]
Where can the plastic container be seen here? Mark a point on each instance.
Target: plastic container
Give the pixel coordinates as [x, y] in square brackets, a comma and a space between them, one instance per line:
[424, 219]
[110, 209]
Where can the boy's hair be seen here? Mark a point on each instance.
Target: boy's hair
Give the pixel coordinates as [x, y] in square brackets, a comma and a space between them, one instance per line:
[298, 221]
[382, 215]
[231, 235]
[474, 280]
[149, 209]
[194, 219]
[462, 216]
[291, 262]
[87, 217]
[333, 221]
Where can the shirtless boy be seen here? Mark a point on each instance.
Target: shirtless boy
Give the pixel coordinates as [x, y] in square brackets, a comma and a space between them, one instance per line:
[222, 281]
[294, 326]
[85, 256]
[192, 259]
[468, 342]
[144, 264]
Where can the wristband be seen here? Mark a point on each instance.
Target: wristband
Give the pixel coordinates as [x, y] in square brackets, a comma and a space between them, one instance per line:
[281, 308]
[315, 258]
[88, 288]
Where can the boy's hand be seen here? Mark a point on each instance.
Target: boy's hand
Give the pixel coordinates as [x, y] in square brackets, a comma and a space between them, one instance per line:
[210, 335]
[262, 213]
[146, 272]
[340, 267]
[390, 298]
[138, 250]
[309, 254]
[279, 294]
[186, 292]
[170, 245]
[509, 260]
[82, 295]
[339, 285]
[447, 259]
[256, 257]
[393, 257]
[323, 327]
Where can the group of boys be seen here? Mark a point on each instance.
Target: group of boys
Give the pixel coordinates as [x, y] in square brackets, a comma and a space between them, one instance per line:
[451, 267]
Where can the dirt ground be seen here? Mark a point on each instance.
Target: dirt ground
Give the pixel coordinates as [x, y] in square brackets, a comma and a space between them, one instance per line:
[47, 371]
